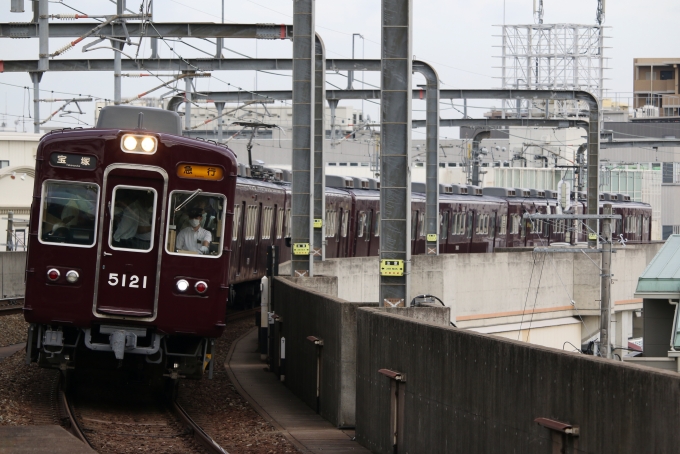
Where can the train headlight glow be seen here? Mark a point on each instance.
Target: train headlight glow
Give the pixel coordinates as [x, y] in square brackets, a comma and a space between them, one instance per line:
[148, 144]
[129, 143]
[135, 143]
[72, 276]
[182, 285]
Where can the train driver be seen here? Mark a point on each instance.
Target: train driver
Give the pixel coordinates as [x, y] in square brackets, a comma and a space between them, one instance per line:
[194, 238]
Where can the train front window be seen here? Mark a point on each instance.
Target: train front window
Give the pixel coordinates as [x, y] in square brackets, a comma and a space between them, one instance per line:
[197, 227]
[69, 213]
[132, 220]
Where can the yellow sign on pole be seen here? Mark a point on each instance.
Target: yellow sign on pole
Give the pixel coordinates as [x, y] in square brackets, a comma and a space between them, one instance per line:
[391, 267]
[301, 249]
[431, 237]
[318, 223]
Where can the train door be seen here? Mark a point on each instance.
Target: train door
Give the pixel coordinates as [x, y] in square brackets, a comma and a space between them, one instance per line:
[130, 235]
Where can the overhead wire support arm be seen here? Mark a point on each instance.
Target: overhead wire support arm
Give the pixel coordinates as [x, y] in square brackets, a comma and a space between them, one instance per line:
[108, 21]
[75, 101]
[179, 77]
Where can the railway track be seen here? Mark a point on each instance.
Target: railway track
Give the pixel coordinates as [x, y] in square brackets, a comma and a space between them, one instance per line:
[10, 307]
[131, 419]
[238, 315]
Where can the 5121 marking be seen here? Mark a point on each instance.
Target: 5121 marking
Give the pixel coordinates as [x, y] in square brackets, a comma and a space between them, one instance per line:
[133, 282]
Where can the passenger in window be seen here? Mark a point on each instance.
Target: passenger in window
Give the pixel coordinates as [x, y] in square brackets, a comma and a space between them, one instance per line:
[134, 229]
[194, 238]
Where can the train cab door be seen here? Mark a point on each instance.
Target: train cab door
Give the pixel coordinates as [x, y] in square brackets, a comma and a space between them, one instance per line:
[132, 219]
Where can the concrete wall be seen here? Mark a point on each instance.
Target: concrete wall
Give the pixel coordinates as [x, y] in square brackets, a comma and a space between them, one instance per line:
[306, 313]
[467, 392]
[485, 290]
[12, 266]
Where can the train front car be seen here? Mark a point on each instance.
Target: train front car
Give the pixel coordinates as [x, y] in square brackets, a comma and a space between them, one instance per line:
[128, 260]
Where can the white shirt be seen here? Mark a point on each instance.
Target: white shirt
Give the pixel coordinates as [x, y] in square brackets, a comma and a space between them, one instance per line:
[189, 239]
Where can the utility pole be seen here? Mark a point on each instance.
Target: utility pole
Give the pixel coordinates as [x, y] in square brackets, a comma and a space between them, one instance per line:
[605, 289]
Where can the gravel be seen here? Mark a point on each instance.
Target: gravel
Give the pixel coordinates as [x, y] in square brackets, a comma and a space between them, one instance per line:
[13, 329]
[223, 413]
[27, 396]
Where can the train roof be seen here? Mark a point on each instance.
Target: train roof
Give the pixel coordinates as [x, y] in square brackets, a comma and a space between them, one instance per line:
[136, 117]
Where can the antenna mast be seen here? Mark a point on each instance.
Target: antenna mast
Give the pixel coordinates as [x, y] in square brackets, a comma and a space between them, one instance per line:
[538, 11]
[600, 11]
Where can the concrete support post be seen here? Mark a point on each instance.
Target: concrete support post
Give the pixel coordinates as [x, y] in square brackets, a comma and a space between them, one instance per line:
[154, 41]
[10, 231]
[476, 160]
[319, 243]
[187, 105]
[395, 139]
[43, 35]
[303, 136]
[593, 169]
[432, 156]
[35, 78]
[605, 289]
[220, 121]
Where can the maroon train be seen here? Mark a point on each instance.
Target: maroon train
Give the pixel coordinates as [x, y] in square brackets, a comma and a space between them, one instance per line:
[111, 265]
[471, 220]
[122, 271]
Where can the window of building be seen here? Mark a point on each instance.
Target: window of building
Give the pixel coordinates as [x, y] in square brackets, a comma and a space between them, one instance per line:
[4, 164]
[667, 75]
[69, 213]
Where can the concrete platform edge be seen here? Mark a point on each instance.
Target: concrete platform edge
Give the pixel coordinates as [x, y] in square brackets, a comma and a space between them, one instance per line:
[261, 411]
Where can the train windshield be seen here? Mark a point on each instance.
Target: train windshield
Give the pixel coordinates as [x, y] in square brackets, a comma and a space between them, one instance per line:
[196, 227]
[133, 218]
[69, 213]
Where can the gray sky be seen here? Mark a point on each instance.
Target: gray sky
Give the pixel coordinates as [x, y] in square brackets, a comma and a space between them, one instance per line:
[455, 36]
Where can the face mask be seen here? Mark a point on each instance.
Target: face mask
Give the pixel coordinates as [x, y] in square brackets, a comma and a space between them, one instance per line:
[194, 222]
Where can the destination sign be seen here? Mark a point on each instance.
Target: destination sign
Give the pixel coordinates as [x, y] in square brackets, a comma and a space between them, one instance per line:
[200, 172]
[76, 161]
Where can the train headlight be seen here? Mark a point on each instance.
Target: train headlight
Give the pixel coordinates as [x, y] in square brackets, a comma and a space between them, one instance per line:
[182, 285]
[201, 287]
[53, 274]
[72, 276]
[129, 143]
[148, 144]
[134, 143]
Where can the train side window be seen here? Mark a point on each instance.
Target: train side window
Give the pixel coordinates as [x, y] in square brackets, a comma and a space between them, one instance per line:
[377, 224]
[504, 224]
[422, 224]
[444, 225]
[361, 223]
[289, 220]
[267, 217]
[133, 218]
[236, 223]
[69, 213]
[251, 222]
[279, 224]
[206, 237]
[367, 224]
[345, 222]
[645, 225]
[470, 218]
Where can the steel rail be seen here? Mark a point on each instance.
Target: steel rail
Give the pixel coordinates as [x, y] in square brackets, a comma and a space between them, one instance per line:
[200, 436]
[11, 310]
[65, 403]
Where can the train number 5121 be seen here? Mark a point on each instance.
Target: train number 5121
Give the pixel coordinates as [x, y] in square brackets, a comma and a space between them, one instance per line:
[133, 282]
